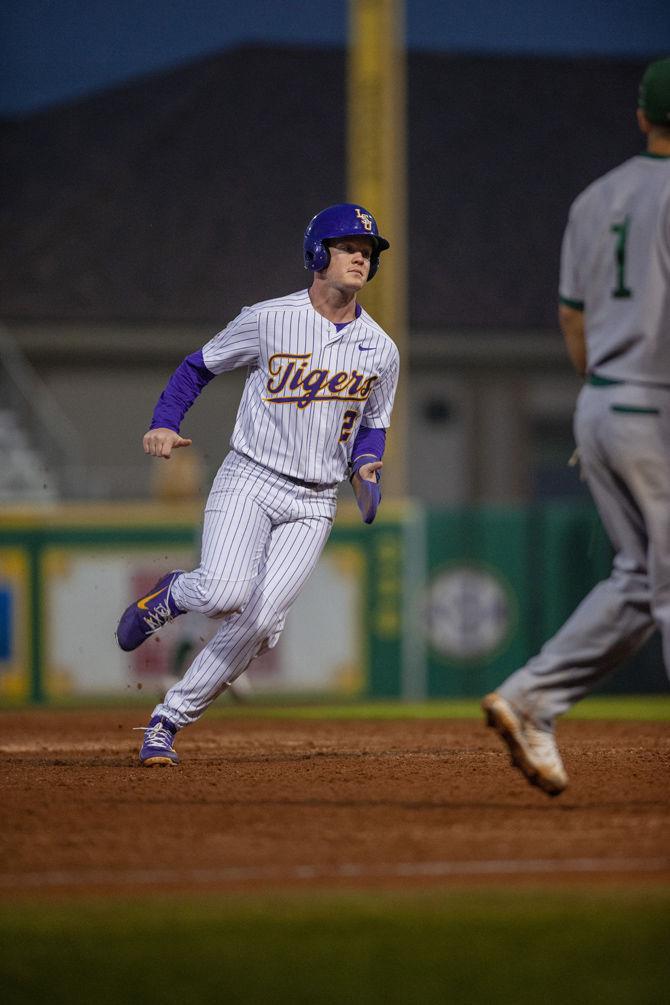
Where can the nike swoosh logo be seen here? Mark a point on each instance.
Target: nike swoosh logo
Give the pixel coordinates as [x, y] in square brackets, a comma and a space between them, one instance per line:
[367, 348]
[142, 604]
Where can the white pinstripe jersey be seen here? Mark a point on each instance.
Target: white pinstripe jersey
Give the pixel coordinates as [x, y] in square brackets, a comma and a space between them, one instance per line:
[308, 387]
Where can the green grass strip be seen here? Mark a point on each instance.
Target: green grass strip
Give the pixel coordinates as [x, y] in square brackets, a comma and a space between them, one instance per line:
[458, 946]
[639, 708]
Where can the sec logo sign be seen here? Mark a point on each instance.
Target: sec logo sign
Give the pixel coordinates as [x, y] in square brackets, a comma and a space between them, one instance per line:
[470, 613]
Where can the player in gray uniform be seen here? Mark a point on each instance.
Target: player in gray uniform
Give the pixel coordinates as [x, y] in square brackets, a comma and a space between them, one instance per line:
[615, 315]
[315, 408]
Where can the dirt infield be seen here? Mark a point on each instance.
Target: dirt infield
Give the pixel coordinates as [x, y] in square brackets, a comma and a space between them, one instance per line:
[261, 802]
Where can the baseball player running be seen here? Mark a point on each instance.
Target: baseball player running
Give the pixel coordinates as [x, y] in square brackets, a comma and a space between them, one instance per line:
[615, 316]
[315, 408]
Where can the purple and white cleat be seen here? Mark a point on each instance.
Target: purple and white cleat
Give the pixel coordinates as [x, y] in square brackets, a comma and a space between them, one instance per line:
[157, 747]
[146, 615]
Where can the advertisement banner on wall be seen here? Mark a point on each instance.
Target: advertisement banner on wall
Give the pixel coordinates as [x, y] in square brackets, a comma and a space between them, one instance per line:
[14, 624]
[85, 591]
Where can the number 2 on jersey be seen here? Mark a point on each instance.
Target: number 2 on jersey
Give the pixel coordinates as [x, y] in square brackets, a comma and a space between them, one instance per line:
[621, 291]
[350, 417]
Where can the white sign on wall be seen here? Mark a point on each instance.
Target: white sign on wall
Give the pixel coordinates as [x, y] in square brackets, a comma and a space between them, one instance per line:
[85, 593]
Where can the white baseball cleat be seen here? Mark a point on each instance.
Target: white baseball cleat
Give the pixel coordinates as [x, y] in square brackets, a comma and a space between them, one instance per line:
[534, 751]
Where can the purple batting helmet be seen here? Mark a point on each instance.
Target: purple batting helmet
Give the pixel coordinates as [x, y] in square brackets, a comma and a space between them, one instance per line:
[343, 220]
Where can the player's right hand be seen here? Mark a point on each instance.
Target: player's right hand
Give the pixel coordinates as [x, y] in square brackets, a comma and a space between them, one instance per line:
[367, 490]
[161, 442]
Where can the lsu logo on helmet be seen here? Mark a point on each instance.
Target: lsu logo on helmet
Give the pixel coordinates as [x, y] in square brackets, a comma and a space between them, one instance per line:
[365, 219]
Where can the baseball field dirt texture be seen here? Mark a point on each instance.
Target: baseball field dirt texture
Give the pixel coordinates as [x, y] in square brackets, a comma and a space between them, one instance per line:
[320, 854]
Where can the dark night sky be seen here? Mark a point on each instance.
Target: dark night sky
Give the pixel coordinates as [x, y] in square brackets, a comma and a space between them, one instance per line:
[56, 50]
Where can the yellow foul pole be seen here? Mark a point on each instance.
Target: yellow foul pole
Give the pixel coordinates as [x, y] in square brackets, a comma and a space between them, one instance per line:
[377, 180]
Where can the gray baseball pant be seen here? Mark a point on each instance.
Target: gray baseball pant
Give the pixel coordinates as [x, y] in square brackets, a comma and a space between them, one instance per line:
[623, 435]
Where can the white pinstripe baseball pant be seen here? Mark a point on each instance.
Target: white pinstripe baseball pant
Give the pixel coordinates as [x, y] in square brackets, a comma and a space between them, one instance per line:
[262, 537]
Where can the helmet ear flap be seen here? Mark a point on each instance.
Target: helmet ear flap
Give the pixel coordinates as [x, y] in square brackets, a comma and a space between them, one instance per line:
[317, 256]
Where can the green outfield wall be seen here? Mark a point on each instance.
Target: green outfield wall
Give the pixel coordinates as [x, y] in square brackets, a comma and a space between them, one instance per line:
[423, 604]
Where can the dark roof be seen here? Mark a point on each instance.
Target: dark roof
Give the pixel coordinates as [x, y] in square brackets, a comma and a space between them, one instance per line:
[182, 196]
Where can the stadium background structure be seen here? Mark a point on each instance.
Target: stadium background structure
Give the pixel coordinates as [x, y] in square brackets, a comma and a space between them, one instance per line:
[121, 248]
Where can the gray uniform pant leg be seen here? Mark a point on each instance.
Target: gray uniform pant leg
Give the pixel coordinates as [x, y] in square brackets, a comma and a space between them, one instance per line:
[625, 459]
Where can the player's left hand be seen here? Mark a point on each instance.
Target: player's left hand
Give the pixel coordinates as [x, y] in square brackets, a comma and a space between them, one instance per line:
[365, 483]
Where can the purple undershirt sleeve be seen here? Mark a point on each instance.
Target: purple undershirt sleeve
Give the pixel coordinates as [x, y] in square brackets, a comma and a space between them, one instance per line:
[368, 446]
[180, 392]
